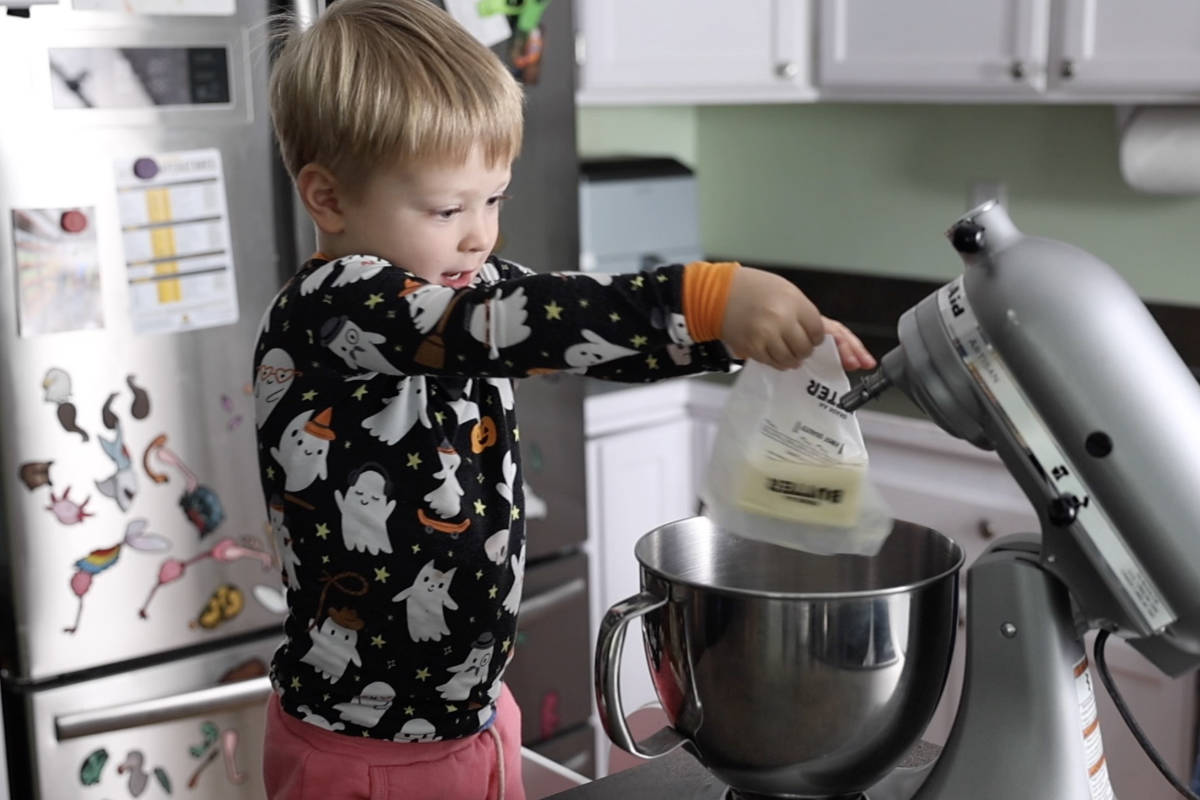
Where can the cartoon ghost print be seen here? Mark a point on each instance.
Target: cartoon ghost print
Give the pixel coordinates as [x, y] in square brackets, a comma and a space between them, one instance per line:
[365, 508]
[303, 448]
[401, 412]
[426, 303]
[318, 720]
[369, 706]
[470, 673]
[504, 388]
[417, 730]
[594, 350]
[358, 347]
[512, 601]
[275, 375]
[500, 321]
[426, 597]
[446, 500]
[283, 541]
[335, 644]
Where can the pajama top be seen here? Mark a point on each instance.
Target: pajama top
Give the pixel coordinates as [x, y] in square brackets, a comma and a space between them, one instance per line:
[388, 451]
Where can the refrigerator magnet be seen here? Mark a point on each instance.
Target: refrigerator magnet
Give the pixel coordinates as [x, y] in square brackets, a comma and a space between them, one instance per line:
[101, 559]
[57, 387]
[200, 504]
[35, 473]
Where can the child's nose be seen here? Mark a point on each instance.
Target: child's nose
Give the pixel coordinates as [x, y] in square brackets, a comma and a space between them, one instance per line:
[476, 236]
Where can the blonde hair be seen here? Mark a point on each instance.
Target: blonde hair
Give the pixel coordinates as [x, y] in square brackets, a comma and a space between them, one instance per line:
[390, 82]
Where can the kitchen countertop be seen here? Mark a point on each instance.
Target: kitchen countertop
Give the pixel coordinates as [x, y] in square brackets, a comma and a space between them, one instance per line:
[676, 774]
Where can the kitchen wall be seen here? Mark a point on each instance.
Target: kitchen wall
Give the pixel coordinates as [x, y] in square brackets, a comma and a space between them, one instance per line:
[871, 187]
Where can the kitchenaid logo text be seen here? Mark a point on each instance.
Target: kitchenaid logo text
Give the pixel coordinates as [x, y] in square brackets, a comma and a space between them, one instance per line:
[807, 493]
[954, 299]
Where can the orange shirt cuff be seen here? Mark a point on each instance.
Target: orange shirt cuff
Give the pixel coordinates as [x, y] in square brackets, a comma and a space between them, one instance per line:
[705, 295]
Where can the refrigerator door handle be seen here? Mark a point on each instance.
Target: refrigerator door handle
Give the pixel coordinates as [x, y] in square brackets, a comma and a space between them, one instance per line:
[536, 606]
[215, 699]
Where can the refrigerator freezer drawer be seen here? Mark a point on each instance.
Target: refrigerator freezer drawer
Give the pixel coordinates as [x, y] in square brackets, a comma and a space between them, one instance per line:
[195, 724]
[550, 675]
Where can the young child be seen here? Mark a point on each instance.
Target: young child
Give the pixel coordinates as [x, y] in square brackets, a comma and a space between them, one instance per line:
[387, 438]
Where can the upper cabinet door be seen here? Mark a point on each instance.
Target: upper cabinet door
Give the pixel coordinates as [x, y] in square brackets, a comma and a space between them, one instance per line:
[932, 48]
[693, 51]
[1143, 48]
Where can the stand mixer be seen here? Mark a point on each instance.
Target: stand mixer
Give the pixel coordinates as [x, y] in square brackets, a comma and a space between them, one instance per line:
[1042, 353]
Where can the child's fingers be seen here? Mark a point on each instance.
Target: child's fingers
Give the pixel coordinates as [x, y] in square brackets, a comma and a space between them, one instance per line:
[851, 350]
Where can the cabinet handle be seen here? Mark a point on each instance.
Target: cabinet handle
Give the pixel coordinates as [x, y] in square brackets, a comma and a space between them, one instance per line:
[1068, 68]
[788, 70]
[1017, 70]
[986, 531]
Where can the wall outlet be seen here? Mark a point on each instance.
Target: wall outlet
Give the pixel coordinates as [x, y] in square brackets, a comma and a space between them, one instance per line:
[979, 192]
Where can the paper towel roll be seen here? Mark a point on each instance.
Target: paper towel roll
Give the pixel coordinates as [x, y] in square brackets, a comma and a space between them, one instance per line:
[1160, 149]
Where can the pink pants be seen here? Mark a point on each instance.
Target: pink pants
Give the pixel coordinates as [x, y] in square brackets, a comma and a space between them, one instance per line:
[304, 762]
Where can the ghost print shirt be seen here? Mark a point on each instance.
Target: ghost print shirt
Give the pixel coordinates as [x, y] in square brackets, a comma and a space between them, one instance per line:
[390, 465]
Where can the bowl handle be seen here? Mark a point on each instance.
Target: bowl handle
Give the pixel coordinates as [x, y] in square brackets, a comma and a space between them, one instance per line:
[609, 646]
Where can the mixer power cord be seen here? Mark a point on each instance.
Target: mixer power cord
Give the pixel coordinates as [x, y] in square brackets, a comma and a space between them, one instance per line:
[1134, 728]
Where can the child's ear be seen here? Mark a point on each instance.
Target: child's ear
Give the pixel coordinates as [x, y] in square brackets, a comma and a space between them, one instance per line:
[321, 195]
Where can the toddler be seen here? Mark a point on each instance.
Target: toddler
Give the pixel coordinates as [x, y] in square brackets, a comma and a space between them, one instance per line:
[387, 439]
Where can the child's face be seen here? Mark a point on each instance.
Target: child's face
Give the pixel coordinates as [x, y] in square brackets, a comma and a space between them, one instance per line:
[438, 222]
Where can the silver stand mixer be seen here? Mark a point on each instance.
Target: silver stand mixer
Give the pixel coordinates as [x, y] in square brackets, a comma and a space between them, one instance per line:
[1043, 353]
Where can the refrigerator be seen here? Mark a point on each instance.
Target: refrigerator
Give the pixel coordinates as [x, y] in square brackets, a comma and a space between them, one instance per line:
[145, 224]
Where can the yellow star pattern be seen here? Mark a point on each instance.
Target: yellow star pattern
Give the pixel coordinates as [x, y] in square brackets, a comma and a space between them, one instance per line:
[480, 507]
[359, 392]
[615, 317]
[639, 340]
[516, 513]
[377, 641]
[662, 278]
[492, 591]
[322, 530]
[637, 282]
[516, 434]
[440, 416]
[373, 300]
[416, 548]
[583, 303]
[553, 310]
[478, 574]
[324, 559]
[283, 301]
[409, 711]
[309, 395]
[451, 707]
[381, 574]
[505, 645]
[651, 362]
[414, 460]
[422, 674]
[295, 683]
[271, 473]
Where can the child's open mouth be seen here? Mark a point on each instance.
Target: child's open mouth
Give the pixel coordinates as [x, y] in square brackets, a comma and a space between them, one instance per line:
[457, 280]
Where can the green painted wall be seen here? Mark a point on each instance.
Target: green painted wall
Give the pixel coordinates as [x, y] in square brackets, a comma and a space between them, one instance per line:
[640, 130]
[871, 187]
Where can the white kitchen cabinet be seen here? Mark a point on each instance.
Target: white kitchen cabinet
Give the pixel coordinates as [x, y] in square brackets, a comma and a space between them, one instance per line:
[692, 51]
[1048, 50]
[639, 462]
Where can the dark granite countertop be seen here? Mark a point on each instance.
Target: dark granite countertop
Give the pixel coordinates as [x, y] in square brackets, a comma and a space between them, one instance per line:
[871, 305]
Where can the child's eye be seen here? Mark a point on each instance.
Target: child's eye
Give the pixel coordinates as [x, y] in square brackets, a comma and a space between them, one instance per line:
[496, 200]
[446, 213]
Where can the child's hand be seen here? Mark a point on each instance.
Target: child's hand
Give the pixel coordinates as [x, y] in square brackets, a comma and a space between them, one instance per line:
[768, 319]
[852, 351]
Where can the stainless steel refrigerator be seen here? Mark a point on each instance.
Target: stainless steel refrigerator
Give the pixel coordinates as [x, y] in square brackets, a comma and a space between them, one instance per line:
[144, 227]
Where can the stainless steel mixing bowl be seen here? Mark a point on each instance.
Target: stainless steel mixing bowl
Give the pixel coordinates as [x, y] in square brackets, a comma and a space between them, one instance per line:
[787, 674]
